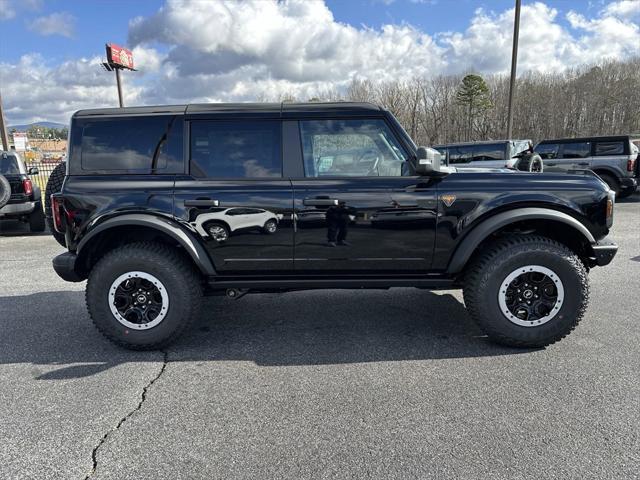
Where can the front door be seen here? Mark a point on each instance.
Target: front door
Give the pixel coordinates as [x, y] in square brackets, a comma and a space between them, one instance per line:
[235, 196]
[354, 210]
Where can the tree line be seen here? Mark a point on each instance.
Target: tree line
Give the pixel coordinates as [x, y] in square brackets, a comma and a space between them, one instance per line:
[599, 99]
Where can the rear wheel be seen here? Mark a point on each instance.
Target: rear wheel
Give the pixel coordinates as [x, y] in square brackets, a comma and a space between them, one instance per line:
[36, 219]
[143, 296]
[5, 191]
[270, 226]
[527, 291]
[54, 185]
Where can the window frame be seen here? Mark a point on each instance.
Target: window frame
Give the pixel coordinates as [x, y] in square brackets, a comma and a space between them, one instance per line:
[564, 145]
[228, 119]
[409, 155]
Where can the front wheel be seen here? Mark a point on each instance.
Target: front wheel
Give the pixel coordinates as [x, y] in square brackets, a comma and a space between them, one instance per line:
[270, 226]
[526, 291]
[143, 296]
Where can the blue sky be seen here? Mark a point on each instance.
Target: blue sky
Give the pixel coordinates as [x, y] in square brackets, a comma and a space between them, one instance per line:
[218, 50]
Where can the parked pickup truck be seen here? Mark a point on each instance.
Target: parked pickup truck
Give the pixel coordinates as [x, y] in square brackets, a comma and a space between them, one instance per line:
[331, 195]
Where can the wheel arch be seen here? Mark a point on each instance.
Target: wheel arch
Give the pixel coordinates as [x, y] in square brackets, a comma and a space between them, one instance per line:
[552, 223]
[130, 228]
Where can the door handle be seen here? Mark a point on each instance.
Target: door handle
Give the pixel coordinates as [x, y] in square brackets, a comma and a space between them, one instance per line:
[584, 164]
[319, 202]
[201, 202]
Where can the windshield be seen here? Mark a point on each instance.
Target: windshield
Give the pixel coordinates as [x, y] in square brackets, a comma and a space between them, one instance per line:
[9, 165]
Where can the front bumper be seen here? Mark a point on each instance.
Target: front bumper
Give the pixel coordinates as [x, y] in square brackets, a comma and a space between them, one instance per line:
[604, 250]
[23, 208]
[65, 266]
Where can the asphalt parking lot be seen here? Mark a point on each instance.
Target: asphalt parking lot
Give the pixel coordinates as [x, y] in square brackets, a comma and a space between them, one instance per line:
[323, 384]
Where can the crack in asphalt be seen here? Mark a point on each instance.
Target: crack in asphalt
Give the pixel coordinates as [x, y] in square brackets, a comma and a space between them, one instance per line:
[94, 452]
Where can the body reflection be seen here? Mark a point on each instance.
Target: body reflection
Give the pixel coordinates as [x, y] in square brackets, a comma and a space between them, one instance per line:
[338, 218]
[220, 223]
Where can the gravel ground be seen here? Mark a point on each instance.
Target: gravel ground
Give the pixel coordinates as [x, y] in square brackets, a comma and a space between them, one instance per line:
[322, 384]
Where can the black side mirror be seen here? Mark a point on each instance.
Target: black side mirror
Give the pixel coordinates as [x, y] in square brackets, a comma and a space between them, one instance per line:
[33, 171]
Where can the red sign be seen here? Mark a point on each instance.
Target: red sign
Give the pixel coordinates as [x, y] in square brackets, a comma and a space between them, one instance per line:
[119, 56]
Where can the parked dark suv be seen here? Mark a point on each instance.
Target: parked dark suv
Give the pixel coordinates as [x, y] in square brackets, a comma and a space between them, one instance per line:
[329, 195]
[20, 198]
[613, 158]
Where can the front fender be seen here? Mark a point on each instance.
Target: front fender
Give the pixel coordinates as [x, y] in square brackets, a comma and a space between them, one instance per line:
[491, 225]
[188, 241]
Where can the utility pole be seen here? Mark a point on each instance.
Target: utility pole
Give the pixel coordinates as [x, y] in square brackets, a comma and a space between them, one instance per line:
[3, 127]
[514, 62]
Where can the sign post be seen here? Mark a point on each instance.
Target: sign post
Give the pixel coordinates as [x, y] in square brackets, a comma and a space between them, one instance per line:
[118, 58]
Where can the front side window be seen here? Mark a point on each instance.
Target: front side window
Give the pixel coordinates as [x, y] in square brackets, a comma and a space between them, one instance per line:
[350, 148]
[609, 148]
[547, 150]
[576, 150]
[236, 149]
[136, 144]
[488, 152]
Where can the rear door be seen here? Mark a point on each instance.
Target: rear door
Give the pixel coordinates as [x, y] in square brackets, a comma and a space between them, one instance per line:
[234, 185]
[357, 208]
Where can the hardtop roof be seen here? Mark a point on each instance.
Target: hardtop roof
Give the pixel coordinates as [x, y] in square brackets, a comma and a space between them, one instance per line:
[241, 108]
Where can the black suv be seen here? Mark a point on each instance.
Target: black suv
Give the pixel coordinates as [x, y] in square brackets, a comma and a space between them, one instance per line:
[163, 204]
[20, 199]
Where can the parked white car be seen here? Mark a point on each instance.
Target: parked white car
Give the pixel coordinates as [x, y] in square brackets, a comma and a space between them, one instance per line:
[220, 224]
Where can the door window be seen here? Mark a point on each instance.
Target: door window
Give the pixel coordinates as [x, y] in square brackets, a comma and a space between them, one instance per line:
[236, 149]
[460, 154]
[576, 150]
[493, 151]
[350, 148]
[609, 148]
[547, 150]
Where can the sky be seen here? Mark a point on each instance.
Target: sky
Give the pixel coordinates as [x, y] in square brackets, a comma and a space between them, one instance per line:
[215, 50]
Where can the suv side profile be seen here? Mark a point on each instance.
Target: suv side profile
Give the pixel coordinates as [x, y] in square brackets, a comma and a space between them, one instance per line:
[356, 205]
[613, 158]
[20, 199]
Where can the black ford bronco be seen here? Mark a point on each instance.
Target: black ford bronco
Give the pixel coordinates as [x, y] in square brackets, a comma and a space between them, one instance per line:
[161, 205]
[20, 198]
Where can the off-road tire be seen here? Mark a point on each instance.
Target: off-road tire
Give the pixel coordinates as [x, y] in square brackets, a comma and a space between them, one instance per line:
[5, 191]
[611, 181]
[531, 162]
[177, 274]
[490, 268]
[54, 185]
[36, 219]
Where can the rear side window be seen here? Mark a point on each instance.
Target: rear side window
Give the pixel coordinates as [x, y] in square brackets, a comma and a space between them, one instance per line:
[609, 148]
[136, 145]
[576, 150]
[547, 150]
[459, 155]
[488, 152]
[236, 149]
[9, 165]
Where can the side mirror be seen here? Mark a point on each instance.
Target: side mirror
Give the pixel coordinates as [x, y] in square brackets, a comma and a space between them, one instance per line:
[33, 171]
[427, 161]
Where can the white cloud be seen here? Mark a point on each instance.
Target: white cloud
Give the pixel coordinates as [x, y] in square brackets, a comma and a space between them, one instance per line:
[59, 23]
[7, 11]
[196, 51]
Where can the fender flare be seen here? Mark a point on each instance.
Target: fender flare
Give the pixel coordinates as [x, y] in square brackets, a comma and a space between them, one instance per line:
[188, 241]
[470, 242]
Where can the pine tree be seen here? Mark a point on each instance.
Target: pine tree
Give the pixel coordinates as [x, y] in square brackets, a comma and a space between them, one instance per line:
[473, 93]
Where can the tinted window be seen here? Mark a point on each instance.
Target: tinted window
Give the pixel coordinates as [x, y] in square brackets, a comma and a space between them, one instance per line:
[547, 150]
[141, 145]
[610, 148]
[9, 165]
[488, 152]
[460, 154]
[350, 148]
[236, 149]
[576, 150]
